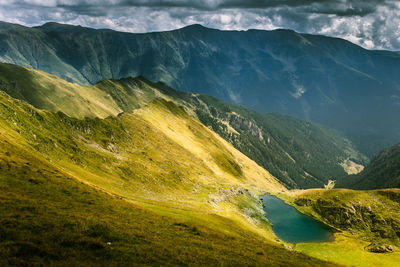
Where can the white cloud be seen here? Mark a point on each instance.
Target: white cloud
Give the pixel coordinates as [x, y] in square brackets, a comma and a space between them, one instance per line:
[225, 19]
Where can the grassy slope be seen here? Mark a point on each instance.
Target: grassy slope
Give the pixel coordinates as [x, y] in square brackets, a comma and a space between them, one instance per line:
[159, 158]
[50, 92]
[364, 219]
[299, 153]
[69, 186]
[50, 218]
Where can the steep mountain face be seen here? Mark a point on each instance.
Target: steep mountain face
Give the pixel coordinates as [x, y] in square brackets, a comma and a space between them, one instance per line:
[300, 154]
[325, 80]
[382, 172]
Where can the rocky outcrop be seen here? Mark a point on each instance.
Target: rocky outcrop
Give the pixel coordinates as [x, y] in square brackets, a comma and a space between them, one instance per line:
[246, 125]
[222, 194]
[232, 119]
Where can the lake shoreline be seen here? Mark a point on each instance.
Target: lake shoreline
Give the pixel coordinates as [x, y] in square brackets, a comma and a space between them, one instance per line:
[292, 226]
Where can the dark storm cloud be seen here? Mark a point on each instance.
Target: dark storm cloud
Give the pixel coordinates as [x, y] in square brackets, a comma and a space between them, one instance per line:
[372, 23]
[337, 7]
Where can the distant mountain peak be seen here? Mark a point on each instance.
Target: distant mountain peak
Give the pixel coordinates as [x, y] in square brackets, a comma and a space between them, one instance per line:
[196, 27]
[7, 26]
[52, 24]
[59, 27]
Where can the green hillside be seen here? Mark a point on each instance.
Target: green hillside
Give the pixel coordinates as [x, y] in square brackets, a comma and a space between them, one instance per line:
[367, 224]
[50, 92]
[300, 154]
[154, 187]
[49, 217]
[147, 182]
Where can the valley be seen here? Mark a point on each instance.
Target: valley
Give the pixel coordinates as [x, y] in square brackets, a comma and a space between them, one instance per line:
[381, 172]
[130, 165]
[92, 188]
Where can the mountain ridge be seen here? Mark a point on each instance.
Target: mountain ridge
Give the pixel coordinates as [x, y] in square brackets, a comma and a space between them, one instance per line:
[299, 153]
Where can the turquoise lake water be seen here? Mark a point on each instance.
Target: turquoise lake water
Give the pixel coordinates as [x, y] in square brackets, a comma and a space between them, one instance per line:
[292, 226]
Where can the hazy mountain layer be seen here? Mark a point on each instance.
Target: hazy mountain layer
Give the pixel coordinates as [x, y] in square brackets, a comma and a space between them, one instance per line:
[325, 80]
[300, 154]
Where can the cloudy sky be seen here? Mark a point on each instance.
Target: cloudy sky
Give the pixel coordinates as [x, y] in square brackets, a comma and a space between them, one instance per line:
[372, 24]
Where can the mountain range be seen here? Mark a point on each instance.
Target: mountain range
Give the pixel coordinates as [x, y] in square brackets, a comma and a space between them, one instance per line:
[103, 162]
[324, 80]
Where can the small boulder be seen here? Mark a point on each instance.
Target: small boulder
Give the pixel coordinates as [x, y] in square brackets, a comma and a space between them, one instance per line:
[382, 249]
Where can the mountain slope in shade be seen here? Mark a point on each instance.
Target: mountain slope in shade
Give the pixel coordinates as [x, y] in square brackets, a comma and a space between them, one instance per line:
[300, 154]
[325, 80]
[383, 171]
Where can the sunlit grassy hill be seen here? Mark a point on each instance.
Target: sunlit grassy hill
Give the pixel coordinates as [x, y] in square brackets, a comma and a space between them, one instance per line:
[50, 92]
[300, 154]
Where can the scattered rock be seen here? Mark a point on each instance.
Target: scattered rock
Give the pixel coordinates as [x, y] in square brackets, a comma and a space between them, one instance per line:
[246, 125]
[382, 249]
[303, 202]
[288, 247]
